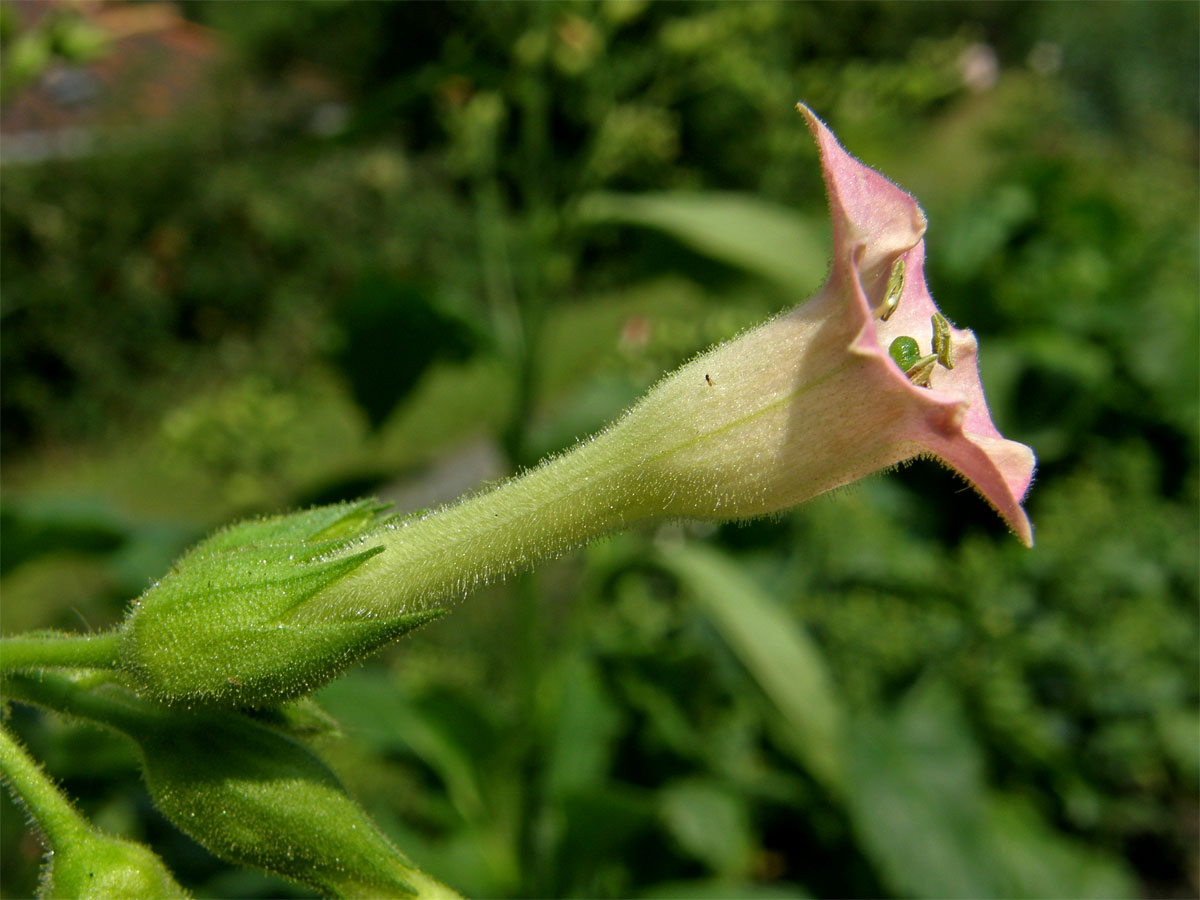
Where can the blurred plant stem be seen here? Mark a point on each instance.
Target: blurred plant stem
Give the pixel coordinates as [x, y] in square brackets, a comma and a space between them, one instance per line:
[518, 309]
[541, 236]
[93, 651]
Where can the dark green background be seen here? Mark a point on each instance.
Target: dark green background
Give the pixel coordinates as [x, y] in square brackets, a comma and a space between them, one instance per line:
[237, 313]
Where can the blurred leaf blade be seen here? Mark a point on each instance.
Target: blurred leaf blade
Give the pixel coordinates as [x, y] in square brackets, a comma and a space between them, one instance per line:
[739, 229]
[927, 820]
[370, 709]
[711, 823]
[777, 652]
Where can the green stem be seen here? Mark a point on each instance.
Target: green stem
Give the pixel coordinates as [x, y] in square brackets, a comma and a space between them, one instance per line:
[78, 651]
[56, 818]
[587, 493]
[68, 695]
[490, 223]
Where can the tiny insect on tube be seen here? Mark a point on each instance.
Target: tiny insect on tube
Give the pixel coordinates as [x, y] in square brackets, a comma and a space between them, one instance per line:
[708, 378]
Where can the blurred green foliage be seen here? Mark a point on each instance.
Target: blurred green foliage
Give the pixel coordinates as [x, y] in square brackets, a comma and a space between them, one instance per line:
[59, 36]
[529, 213]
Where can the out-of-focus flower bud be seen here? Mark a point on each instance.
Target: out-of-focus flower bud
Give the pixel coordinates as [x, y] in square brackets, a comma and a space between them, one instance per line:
[254, 796]
[81, 861]
[218, 629]
[243, 789]
[98, 866]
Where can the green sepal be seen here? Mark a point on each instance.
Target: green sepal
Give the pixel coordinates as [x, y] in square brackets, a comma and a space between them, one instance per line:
[256, 665]
[219, 628]
[302, 718]
[338, 520]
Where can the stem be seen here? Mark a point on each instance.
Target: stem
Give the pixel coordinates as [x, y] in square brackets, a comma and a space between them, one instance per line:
[529, 642]
[497, 270]
[591, 491]
[536, 184]
[64, 694]
[78, 651]
[58, 821]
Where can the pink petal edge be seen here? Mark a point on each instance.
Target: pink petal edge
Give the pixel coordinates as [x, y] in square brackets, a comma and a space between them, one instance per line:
[874, 221]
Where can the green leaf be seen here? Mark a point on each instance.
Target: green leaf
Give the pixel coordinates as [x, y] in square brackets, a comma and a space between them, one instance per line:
[600, 828]
[1033, 860]
[33, 526]
[585, 726]
[711, 823]
[776, 650]
[768, 240]
[915, 797]
[373, 710]
[919, 803]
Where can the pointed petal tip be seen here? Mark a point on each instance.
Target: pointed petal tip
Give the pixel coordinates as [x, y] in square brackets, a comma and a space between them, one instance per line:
[1019, 524]
[1022, 526]
[991, 489]
[864, 203]
[1006, 485]
[1027, 537]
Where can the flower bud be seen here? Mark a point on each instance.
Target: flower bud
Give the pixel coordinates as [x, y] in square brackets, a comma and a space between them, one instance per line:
[101, 866]
[254, 796]
[243, 789]
[220, 627]
[81, 861]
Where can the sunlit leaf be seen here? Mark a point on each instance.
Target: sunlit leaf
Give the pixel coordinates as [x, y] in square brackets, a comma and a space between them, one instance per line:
[744, 231]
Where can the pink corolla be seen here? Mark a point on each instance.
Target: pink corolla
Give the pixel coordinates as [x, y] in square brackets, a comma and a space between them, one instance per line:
[875, 224]
[813, 399]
